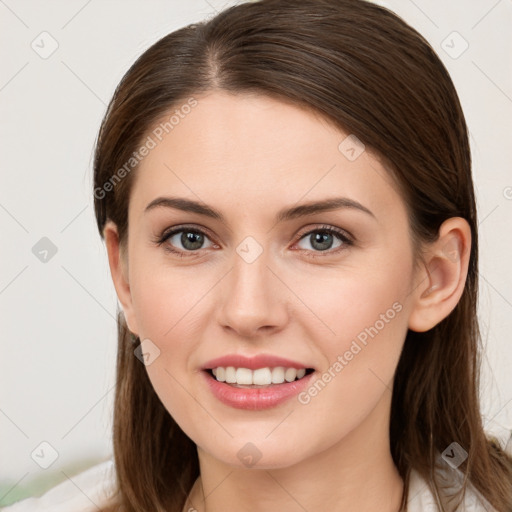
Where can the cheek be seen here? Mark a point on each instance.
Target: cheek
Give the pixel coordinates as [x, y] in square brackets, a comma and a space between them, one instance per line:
[169, 304]
[357, 303]
[166, 298]
[166, 304]
[368, 313]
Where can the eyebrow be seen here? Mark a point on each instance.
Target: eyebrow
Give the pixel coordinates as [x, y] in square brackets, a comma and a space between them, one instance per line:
[302, 210]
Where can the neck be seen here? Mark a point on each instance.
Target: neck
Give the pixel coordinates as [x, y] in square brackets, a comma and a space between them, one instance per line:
[356, 474]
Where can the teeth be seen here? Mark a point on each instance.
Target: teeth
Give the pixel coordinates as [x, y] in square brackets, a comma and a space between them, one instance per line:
[259, 377]
[262, 376]
[230, 375]
[278, 375]
[243, 376]
[290, 374]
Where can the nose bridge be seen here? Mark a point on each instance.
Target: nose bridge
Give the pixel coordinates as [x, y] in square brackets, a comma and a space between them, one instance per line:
[249, 278]
[252, 298]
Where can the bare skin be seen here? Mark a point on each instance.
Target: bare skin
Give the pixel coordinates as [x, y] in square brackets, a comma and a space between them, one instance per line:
[248, 157]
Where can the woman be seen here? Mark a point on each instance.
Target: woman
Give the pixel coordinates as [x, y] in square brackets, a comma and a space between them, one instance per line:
[286, 198]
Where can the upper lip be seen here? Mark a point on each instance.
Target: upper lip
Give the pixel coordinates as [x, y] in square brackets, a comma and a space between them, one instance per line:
[252, 363]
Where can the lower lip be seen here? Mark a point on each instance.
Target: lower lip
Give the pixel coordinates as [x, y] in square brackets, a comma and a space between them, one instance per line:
[256, 398]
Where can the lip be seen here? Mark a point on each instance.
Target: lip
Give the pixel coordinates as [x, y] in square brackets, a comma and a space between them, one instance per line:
[256, 398]
[253, 363]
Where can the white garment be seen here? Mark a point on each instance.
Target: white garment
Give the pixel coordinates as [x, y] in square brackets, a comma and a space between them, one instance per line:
[84, 492]
[90, 489]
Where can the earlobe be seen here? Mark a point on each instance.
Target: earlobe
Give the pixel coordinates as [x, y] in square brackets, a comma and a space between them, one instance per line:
[119, 271]
[442, 278]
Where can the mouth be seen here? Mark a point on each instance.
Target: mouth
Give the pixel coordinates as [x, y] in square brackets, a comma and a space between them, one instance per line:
[256, 382]
[258, 378]
[256, 388]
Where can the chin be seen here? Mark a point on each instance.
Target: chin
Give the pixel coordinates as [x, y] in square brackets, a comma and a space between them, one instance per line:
[243, 454]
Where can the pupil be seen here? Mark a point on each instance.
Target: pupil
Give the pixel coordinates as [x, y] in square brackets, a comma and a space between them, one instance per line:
[323, 239]
[189, 237]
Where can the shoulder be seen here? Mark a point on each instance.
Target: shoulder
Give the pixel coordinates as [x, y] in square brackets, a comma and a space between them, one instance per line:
[85, 492]
[421, 498]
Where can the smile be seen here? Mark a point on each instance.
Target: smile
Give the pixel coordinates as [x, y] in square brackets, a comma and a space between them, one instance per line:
[258, 388]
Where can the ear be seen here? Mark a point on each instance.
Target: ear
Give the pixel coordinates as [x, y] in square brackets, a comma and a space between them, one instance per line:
[442, 275]
[118, 262]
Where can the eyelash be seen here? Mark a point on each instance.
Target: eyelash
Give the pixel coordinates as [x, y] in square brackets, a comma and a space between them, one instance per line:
[347, 242]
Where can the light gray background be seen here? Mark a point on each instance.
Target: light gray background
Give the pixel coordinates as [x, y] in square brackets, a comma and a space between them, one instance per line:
[58, 330]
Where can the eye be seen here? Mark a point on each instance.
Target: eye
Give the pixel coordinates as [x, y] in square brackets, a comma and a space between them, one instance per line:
[324, 239]
[182, 239]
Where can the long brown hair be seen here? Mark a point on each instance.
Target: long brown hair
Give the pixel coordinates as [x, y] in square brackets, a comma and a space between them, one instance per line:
[363, 68]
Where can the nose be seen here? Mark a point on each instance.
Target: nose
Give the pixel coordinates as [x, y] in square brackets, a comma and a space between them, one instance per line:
[253, 301]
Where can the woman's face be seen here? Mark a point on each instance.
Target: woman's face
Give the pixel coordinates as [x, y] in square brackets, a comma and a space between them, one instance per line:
[252, 285]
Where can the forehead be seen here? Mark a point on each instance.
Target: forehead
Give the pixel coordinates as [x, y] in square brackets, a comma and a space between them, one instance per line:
[254, 154]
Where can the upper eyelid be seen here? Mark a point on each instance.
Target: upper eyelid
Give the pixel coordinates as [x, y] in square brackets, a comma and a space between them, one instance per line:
[167, 233]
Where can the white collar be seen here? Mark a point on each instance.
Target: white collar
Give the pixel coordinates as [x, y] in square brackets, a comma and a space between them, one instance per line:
[422, 499]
